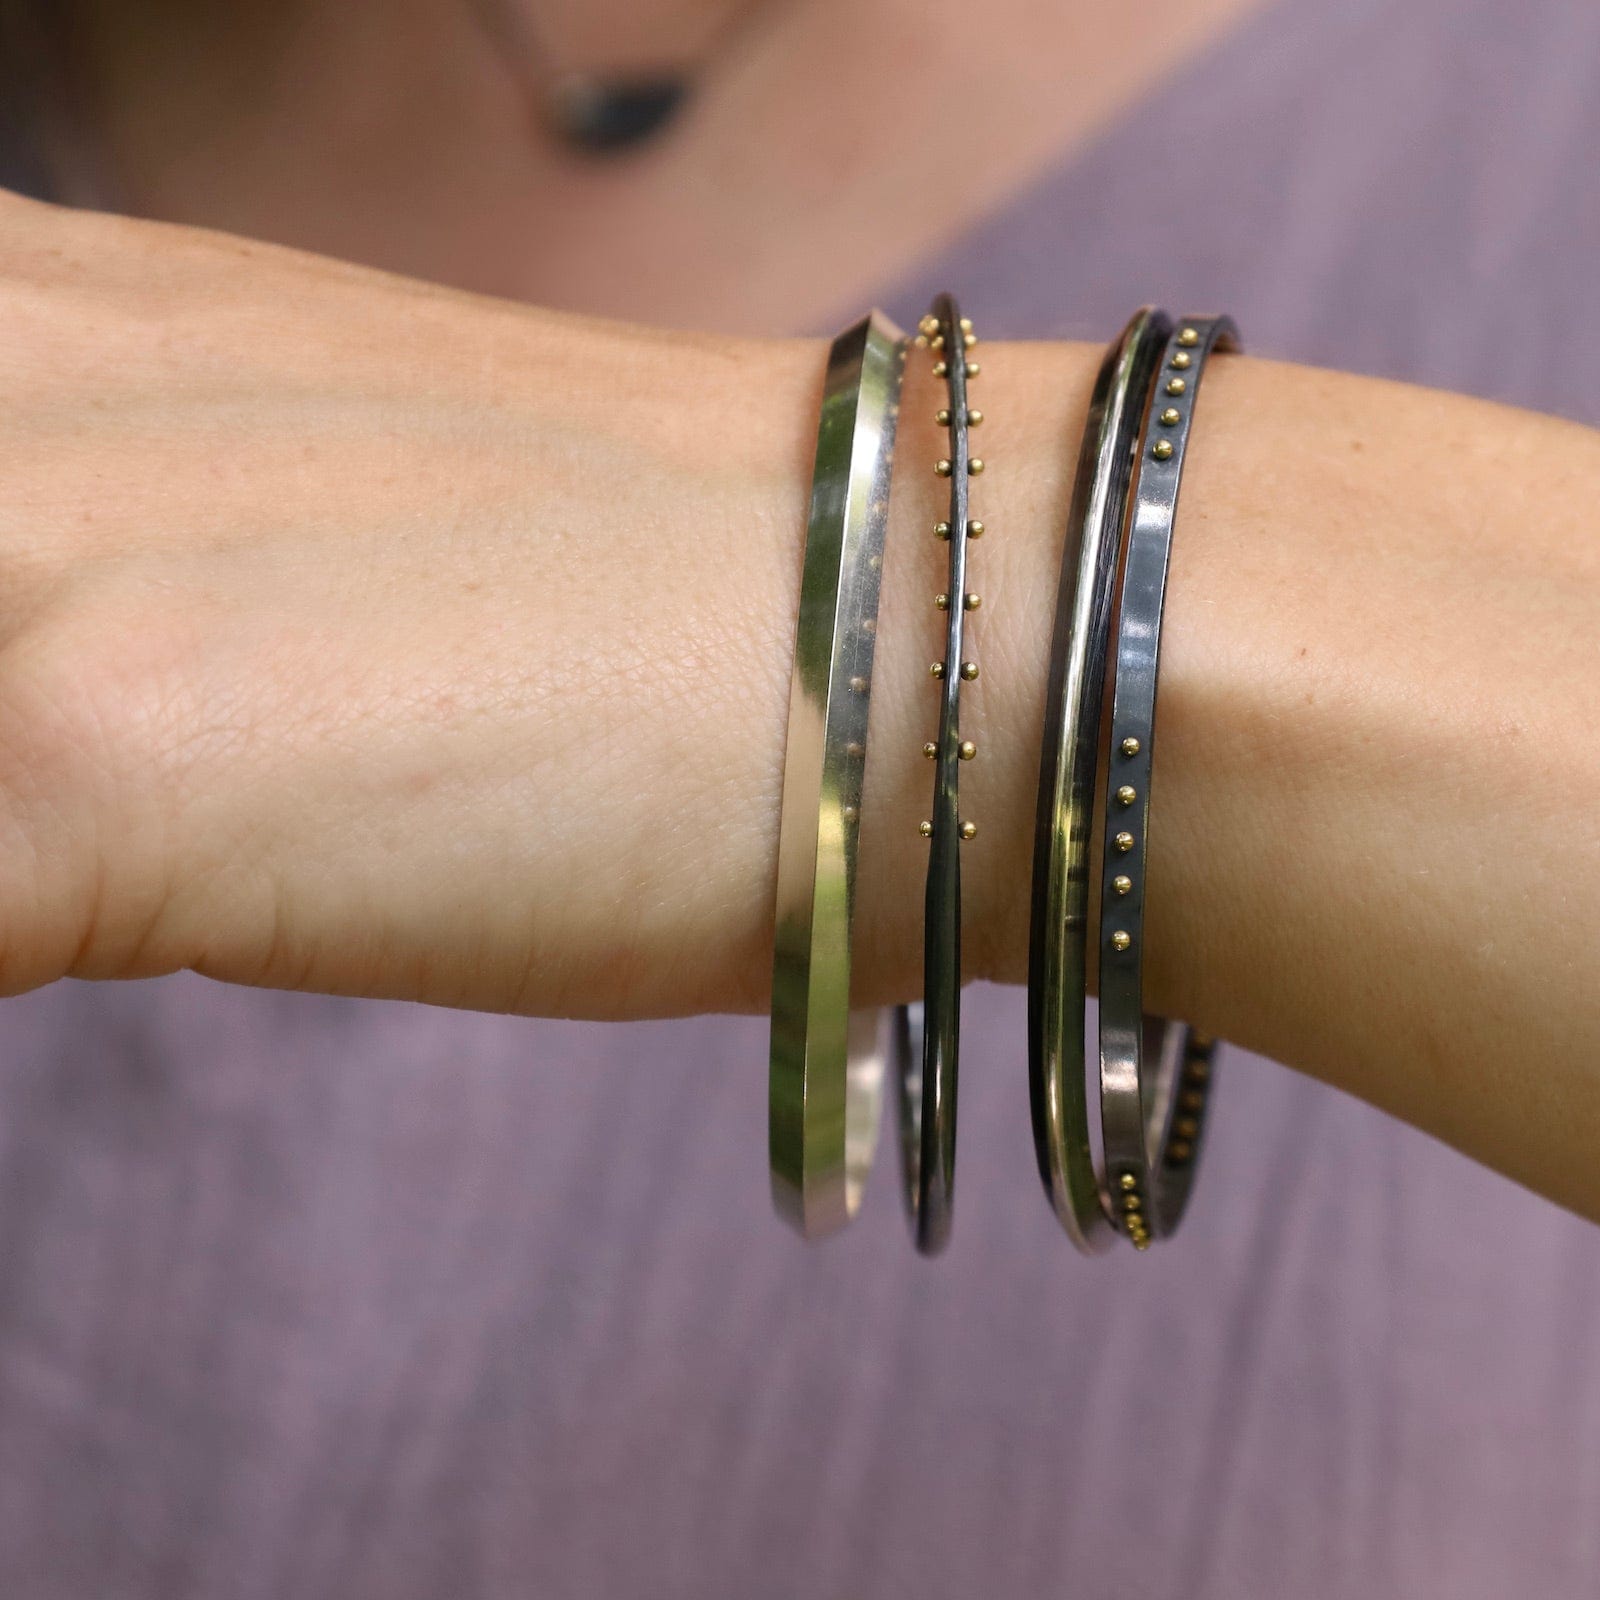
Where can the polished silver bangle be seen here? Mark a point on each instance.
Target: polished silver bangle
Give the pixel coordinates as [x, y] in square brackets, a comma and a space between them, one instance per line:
[1064, 824]
[926, 1037]
[827, 1060]
[1154, 1077]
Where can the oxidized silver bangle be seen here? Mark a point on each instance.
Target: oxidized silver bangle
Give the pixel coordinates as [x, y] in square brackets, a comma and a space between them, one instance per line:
[1058, 988]
[1151, 1126]
[826, 1065]
[926, 1038]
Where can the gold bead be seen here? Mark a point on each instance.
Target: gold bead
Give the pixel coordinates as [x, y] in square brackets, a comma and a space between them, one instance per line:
[858, 685]
[1142, 1242]
[966, 324]
[1171, 417]
[1121, 939]
[1128, 1181]
[1162, 450]
[1132, 1204]
[974, 529]
[1189, 337]
[1122, 884]
[936, 670]
[1130, 746]
[968, 340]
[973, 601]
[1198, 1071]
[930, 749]
[942, 416]
[974, 418]
[929, 325]
[1178, 1152]
[942, 601]
[1186, 1127]
[1123, 842]
[1127, 794]
[942, 467]
[969, 830]
[936, 342]
[969, 670]
[975, 466]
[855, 750]
[973, 369]
[1176, 386]
[941, 530]
[925, 829]
[1192, 1100]
[849, 813]
[966, 749]
[939, 369]
[1181, 360]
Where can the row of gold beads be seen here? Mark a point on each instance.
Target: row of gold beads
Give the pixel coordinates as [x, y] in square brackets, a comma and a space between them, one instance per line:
[1191, 1099]
[1186, 1127]
[930, 335]
[1185, 1133]
[1133, 1214]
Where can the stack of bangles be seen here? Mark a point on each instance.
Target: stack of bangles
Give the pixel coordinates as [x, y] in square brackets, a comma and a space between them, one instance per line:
[1096, 765]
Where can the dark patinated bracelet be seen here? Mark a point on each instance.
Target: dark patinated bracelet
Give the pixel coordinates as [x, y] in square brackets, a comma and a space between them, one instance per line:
[925, 1041]
[1152, 1113]
[1058, 987]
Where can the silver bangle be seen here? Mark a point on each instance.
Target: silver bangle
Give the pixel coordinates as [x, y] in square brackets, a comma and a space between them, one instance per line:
[826, 1066]
[1150, 1125]
[926, 1037]
[1064, 825]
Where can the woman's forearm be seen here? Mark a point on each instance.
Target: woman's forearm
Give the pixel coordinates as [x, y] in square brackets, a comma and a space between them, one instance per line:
[364, 637]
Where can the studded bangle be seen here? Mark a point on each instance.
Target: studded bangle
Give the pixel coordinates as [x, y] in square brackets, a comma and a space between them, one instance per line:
[1150, 1176]
[1058, 988]
[925, 1041]
[826, 1064]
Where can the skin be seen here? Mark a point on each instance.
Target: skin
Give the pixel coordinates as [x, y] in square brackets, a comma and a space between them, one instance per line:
[368, 637]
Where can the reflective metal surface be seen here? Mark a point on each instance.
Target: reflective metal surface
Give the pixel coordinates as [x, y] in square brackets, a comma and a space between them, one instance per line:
[927, 1037]
[1151, 1120]
[826, 1065]
[1057, 948]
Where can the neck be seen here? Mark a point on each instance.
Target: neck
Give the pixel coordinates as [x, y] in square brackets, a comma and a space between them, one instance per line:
[400, 135]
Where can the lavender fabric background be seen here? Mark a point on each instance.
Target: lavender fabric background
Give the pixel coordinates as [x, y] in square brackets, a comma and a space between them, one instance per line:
[320, 1300]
